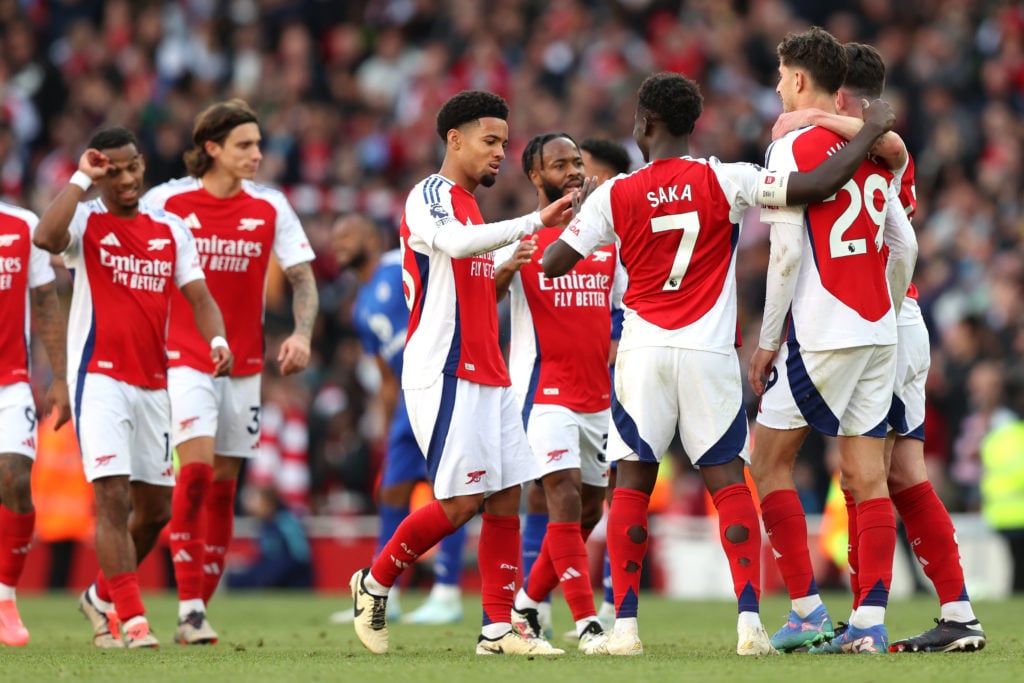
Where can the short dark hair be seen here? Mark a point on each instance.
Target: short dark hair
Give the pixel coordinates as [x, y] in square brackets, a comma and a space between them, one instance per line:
[819, 53]
[469, 105]
[608, 152]
[214, 124]
[673, 99]
[865, 70]
[535, 149]
[113, 138]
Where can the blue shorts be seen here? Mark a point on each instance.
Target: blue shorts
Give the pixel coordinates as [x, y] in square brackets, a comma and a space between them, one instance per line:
[404, 461]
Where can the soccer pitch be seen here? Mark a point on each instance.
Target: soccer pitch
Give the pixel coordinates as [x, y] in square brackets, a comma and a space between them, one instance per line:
[287, 637]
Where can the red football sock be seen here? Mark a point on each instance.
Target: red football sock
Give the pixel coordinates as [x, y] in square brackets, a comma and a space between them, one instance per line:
[498, 554]
[543, 577]
[932, 537]
[786, 525]
[124, 589]
[188, 528]
[569, 557]
[851, 546]
[627, 546]
[876, 542]
[103, 587]
[15, 539]
[737, 518]
[418, 533]
[220, 526]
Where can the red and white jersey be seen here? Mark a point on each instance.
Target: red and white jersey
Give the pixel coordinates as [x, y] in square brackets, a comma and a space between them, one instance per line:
[22, 267]
[561, 329]
[676, 222]
[908, 198]
[453, 314]
[842, 296]
[235, 237]
[124, 272]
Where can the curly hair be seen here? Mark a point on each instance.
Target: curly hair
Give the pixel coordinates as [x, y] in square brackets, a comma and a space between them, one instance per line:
[865, 70]
[673, 99]
[214, 124]
[535, 149]
[113, 138]
[469, 105]
[608, 152]
[818, 53]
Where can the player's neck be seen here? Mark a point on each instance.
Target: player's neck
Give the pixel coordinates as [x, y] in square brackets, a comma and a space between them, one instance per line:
[365, 271]
[824, 102]
[453, 173]
[669, 148]
[221, 185]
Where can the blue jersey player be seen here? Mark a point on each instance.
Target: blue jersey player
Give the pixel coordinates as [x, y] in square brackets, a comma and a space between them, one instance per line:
[381, 317]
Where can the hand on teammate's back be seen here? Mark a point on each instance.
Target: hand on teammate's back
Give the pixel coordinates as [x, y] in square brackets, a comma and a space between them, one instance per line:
[879, 113]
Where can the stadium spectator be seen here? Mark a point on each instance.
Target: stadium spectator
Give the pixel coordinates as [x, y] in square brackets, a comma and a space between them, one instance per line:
[284, 558]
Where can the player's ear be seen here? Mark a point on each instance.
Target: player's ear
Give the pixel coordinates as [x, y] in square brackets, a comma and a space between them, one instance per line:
[454, 138]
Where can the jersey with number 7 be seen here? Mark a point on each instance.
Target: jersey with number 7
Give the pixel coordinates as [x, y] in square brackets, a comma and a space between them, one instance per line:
[677, 223]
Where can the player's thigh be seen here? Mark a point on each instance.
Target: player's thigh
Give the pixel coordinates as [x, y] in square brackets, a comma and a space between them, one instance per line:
[468, 432]
[194, 404]
[151, 439]
[554, 437]
[18, 420]
[240, 416]
[105, 421]
[867, 409]
[913, 360]
[712, 420]
[644, 404]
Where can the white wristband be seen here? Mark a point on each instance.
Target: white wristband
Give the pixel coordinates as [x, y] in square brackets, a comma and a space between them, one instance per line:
[218, 342]
[81, 180]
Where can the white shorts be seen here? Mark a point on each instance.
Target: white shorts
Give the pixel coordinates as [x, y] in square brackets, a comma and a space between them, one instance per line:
[913, 359]
[472, 436]
[18, 420]
[226, 408]
[662, 390]
[841, 392]
[562, 439]
[123, 430]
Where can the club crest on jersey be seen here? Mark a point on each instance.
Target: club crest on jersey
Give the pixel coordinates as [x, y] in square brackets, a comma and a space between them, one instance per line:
[601, 256]
[158, 243]
[8, 240]
[250, 224]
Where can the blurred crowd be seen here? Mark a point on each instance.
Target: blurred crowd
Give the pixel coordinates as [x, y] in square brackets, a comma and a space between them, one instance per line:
[347, 93]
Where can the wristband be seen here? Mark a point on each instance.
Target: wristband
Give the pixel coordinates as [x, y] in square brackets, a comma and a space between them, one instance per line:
[218, 342]
[81, 180]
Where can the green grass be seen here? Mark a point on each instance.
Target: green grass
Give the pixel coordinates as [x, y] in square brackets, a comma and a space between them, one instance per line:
[284, 637]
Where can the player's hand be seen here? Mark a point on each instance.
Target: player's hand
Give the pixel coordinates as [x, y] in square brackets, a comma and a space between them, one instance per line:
[524, 253]
[879, 113]
[57, 398]
[557, 211]
[792, 120]
[760, 369]
[579, 196]
[294, 354]
[94, 163]
[223, 361]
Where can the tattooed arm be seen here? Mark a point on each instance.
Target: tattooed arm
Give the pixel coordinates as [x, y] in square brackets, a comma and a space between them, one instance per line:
[294, 354]
[52, 331]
